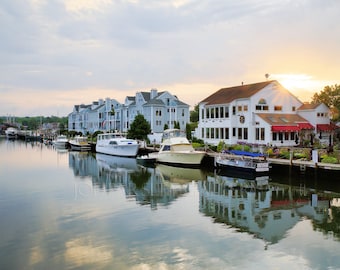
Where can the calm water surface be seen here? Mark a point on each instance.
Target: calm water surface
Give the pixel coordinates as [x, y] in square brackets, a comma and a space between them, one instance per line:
[71, 210]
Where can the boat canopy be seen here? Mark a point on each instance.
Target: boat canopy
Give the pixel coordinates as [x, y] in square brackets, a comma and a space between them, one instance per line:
[246, 153]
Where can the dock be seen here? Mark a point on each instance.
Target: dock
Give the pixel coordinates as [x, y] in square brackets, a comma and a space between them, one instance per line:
[300, 164]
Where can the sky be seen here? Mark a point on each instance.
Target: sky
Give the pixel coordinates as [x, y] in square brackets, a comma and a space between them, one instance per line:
[55, 54]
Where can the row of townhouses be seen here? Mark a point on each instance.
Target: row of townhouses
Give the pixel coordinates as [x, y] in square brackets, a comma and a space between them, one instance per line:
[262, 113]
[158, 108]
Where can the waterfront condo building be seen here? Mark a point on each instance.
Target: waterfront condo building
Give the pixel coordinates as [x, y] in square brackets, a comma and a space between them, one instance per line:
[262, 113]
[158, 108]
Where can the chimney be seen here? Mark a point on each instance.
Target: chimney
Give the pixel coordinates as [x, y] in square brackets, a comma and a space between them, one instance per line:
[154, 93]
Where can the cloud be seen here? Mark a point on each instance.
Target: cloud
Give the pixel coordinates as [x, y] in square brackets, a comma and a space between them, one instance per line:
[138, 44]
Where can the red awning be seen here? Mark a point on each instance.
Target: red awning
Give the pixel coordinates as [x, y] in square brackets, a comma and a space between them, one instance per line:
[324, 127]
[305, 126]
[285, 128]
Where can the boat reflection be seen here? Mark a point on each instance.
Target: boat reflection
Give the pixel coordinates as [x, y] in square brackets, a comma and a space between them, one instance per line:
[263, 208]
[160, 185]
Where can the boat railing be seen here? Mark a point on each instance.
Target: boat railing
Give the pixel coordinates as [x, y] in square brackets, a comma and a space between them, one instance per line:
[225, 155]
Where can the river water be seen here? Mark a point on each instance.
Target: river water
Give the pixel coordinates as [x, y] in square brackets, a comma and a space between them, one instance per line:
[69, 210]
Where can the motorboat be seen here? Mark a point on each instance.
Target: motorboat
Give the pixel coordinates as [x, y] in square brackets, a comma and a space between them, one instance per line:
[243, 161]
[117, 145]
[11, 133]
[175, 149]
[80, 143]
[61, 141]
[148, 160]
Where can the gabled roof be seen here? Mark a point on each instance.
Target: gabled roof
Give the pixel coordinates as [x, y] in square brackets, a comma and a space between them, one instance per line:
[227, 95]
[146, 95]
[131, 98]
[180, 103]
[154, 102]
[309, 106]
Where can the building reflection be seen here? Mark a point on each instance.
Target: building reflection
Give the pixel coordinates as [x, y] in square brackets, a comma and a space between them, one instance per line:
[263, 208]
[259, 206]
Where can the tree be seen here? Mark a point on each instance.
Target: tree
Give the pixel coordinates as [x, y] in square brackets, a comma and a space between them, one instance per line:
[139, 129]
[330, 96]
[194, 115]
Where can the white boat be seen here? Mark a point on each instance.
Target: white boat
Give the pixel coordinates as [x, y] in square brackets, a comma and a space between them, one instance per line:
[11, 133]
[175, 149]
[243, 161]
[80, 143]
[61, 141]
[117, 145]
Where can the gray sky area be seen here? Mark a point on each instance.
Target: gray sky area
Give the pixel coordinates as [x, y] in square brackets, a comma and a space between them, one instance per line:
[58, 53]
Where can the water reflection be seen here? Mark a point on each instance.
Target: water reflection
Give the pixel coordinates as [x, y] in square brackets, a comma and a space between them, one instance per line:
[148, 185]
[266, 209]
[256, 205]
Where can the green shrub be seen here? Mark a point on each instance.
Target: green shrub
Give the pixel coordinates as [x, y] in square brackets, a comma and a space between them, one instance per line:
[197, 145]
[299, 155]
[284, 154]
[270, 152]
[329, 159]
[220, 146]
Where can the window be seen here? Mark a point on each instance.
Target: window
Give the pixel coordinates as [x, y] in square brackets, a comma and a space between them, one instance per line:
[277, 108]
[202, 113]
[202, 131]
[261, 105]
[216, 112]
[234, 110]
[212, 113]
[221, 112]
[227, 133]
[262, 101]
[245, 133]
[245, 108]
[234, 132]
[226, 112]
[274, 136]
[293, 109]
[239, 108]
[281, 136]
[286, 136]
[239, 133]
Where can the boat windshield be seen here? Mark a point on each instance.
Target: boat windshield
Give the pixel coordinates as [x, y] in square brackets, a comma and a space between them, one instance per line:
[173, 133]
[107, 136]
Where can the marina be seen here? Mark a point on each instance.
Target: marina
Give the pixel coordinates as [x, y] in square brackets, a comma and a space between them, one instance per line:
[68, 209]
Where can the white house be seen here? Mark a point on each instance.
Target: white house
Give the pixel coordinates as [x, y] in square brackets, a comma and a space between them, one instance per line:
[261, 113]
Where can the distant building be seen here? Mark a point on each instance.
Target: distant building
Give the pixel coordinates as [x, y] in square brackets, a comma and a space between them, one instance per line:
[262, 113]
[158, 108]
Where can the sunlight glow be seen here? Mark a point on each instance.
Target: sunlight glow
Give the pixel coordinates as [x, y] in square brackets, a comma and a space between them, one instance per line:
[301, 85]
